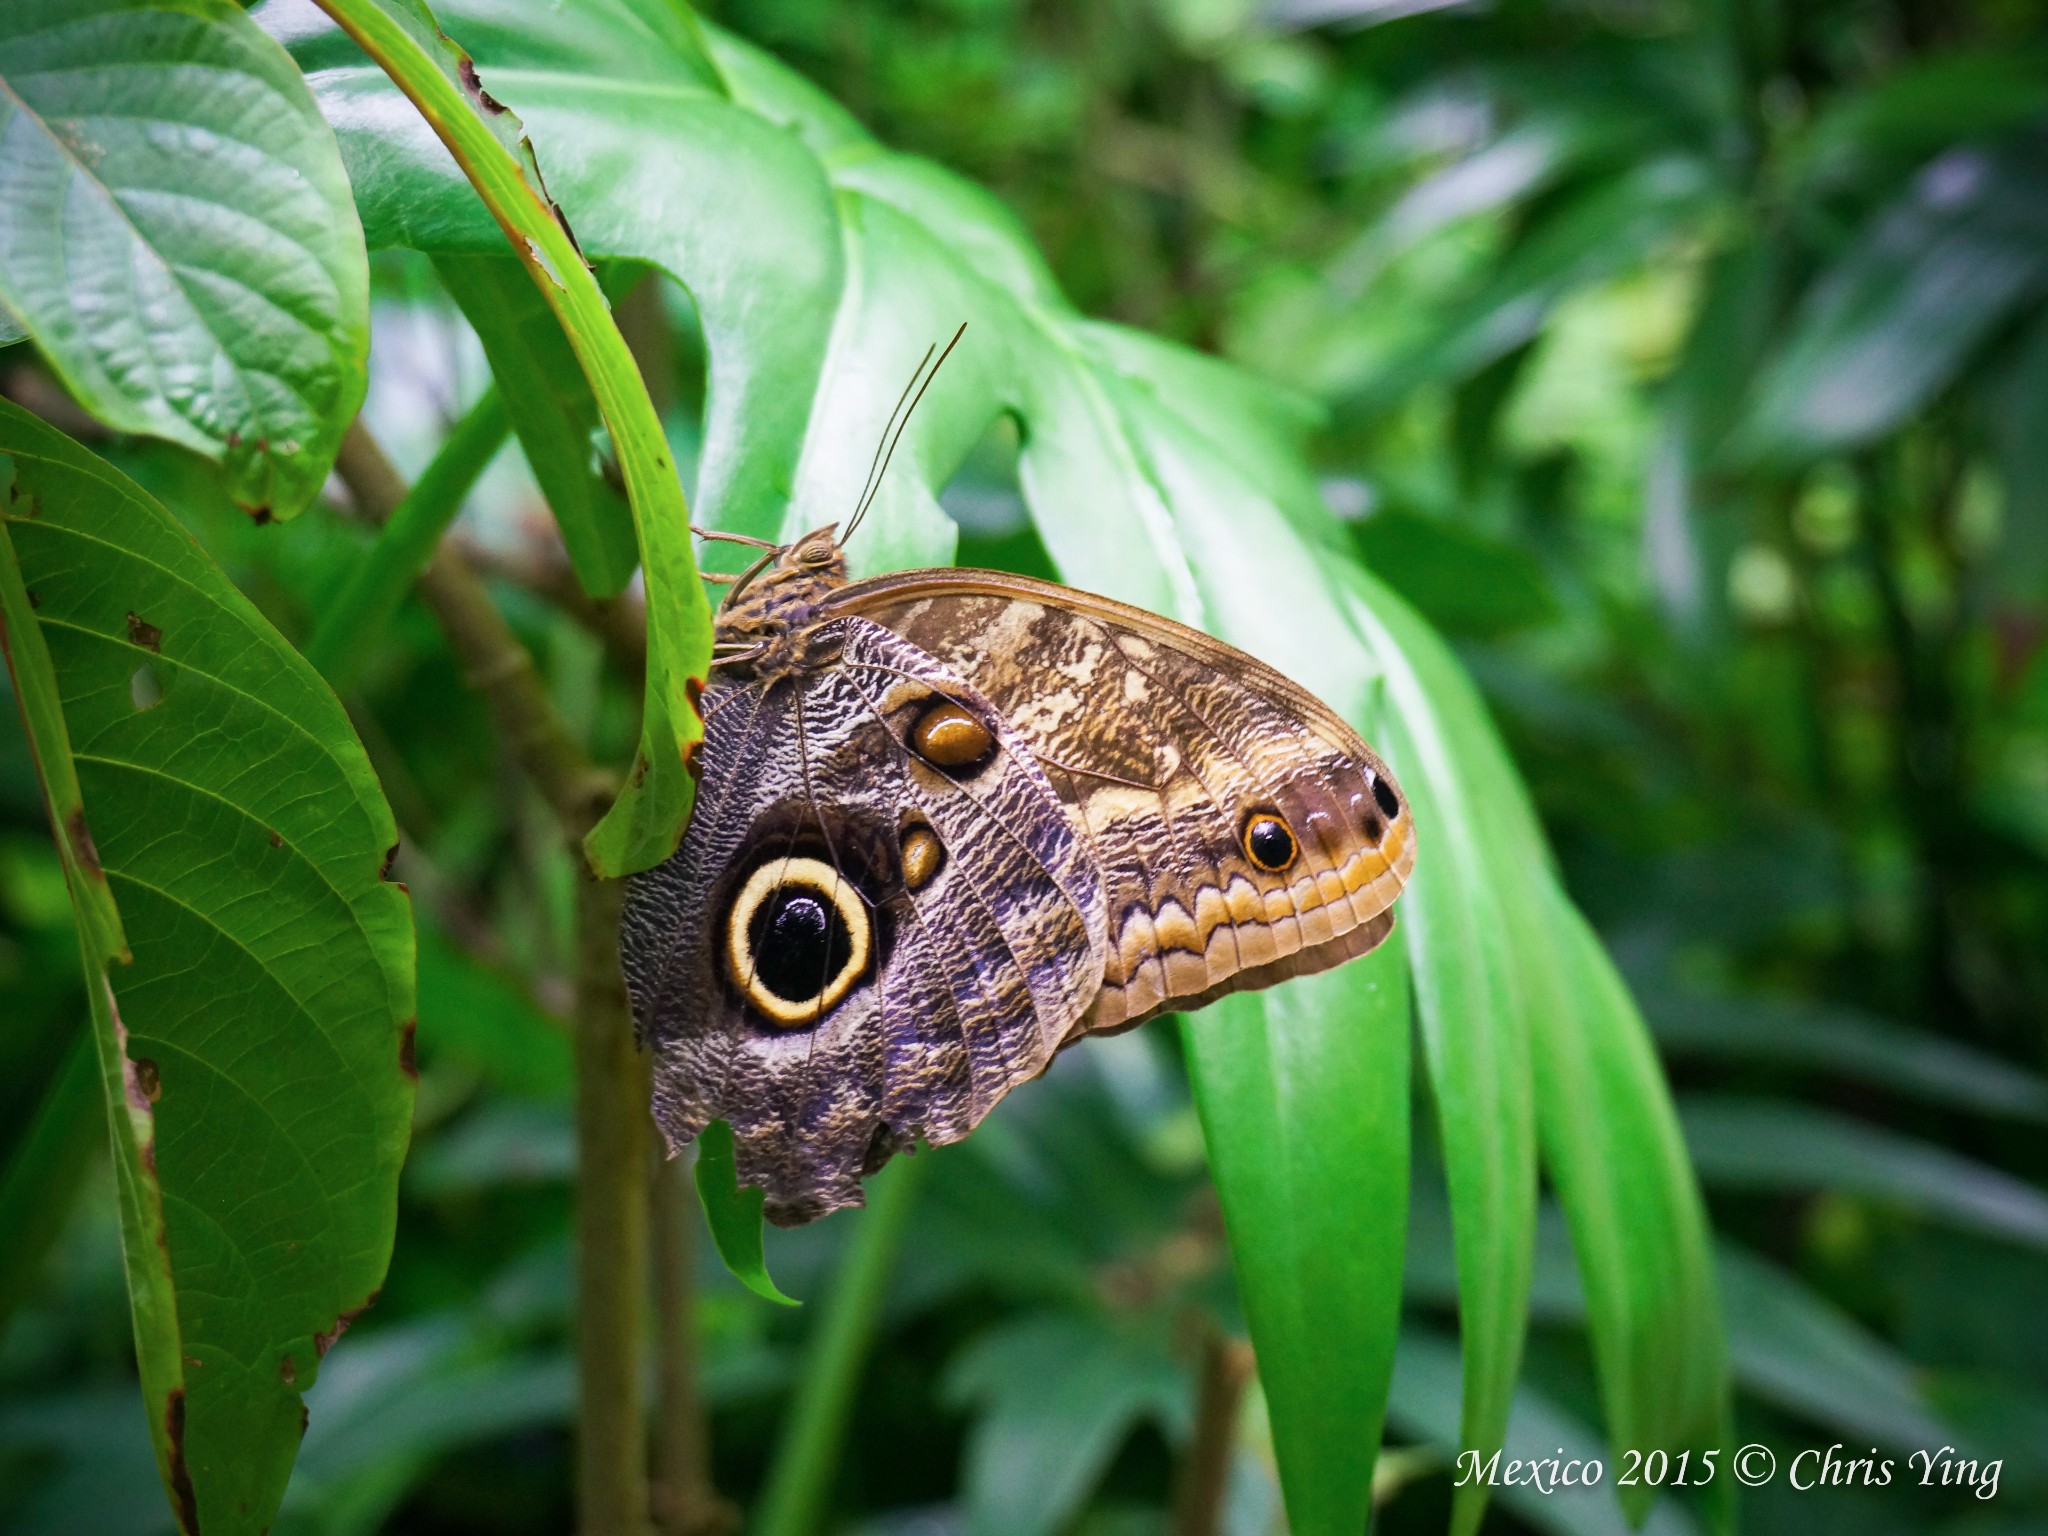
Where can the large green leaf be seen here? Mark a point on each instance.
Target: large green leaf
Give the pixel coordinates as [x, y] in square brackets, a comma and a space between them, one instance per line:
[1609, 1133]
[1059, 1394]
[1915, 297]
[553, 412]
[473, 129]
[177, 235]
[257, 1052]
[1774, 1145]
[1304, 1100]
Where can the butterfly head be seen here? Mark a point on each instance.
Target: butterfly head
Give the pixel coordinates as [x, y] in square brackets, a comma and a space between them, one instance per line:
[780, 596]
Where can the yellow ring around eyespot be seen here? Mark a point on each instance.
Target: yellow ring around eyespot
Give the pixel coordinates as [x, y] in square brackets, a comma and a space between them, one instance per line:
[815, 875]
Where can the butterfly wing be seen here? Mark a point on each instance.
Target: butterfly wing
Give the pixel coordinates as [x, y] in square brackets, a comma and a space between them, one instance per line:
[1176, 755]
[880, 920]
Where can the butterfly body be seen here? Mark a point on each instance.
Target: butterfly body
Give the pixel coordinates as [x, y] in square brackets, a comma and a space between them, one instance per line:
[951, 821]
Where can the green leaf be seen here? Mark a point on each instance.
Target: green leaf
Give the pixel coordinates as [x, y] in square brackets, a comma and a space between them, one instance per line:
[488, 142]
[552, 410]
[1801, 1352]
[1608, 1132]
[1842, 1042]
[177, 234]
[823, 266]
[734, 1214]
[256, 1053]
[354, 619]
[1058, 1395]
[1461, 945]
[1425, 1405]
[1916, 296]
[39, 1181]
[1460, 580]
[1612, 1147]
[1765, 1144]
[1303, 1092]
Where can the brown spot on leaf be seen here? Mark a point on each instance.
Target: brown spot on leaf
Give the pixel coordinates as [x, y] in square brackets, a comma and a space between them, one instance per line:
[146, 1155]
[475, 87]
[691, 753]
[82, 848]
[390, 859]
[324, 1341]
[276, 838]
[408, 1055]
[562, 219]
[261, 515]
[640, 767]
[287, 1372]
[182, 1493]
[233, 439]
[143, 633]
[148, 1080]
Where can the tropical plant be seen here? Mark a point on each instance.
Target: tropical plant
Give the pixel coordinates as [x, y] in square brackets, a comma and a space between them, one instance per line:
[1513, 267]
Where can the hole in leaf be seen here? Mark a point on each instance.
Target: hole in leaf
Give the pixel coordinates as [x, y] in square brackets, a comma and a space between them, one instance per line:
[985, 498]
[145, 688]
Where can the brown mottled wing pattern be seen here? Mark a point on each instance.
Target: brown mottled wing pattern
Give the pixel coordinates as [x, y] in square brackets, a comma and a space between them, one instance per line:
[1163, 742]
[974, 979]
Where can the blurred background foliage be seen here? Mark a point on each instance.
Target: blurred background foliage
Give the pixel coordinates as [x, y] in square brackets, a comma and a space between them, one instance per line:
[1687, 362]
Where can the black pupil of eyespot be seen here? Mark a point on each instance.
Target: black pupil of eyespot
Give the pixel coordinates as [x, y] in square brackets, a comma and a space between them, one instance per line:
[1272, 844]
[1383, 793]
[799, 943]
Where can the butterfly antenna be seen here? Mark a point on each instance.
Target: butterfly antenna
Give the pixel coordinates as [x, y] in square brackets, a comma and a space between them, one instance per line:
[880, 469]
[882, 441]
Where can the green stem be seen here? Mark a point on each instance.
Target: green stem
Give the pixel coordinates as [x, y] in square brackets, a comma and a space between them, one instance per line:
[814, 1434]
[611, 1230]
[350, 625]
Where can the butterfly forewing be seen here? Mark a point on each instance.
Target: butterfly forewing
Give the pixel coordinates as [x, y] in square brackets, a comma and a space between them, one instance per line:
[1244, 831]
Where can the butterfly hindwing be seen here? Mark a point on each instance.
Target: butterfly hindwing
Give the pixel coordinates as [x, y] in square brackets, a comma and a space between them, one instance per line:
[880, 919]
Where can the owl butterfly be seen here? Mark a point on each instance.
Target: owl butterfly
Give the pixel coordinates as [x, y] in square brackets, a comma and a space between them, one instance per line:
[951, 821]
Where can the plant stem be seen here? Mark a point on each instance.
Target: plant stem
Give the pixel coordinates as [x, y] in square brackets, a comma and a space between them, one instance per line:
[350, 624]
[493, 661]
[686, 1502]
[814, 1434]
[611, 1098]
[611, 1229]
[1204, 1477]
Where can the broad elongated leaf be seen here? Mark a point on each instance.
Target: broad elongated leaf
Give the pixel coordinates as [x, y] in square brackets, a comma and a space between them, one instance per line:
[257, 1052]
[1609, 1136]
[553, 412]
[1425, 1404]
[440, 80]
[177, 235]
[1850, 1045]
[1899, 315]
[1059, 1394]
[1306, 1089]
[1764, 1144]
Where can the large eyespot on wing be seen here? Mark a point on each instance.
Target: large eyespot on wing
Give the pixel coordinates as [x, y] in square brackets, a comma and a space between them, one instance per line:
[871, 931]
[798, 936]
